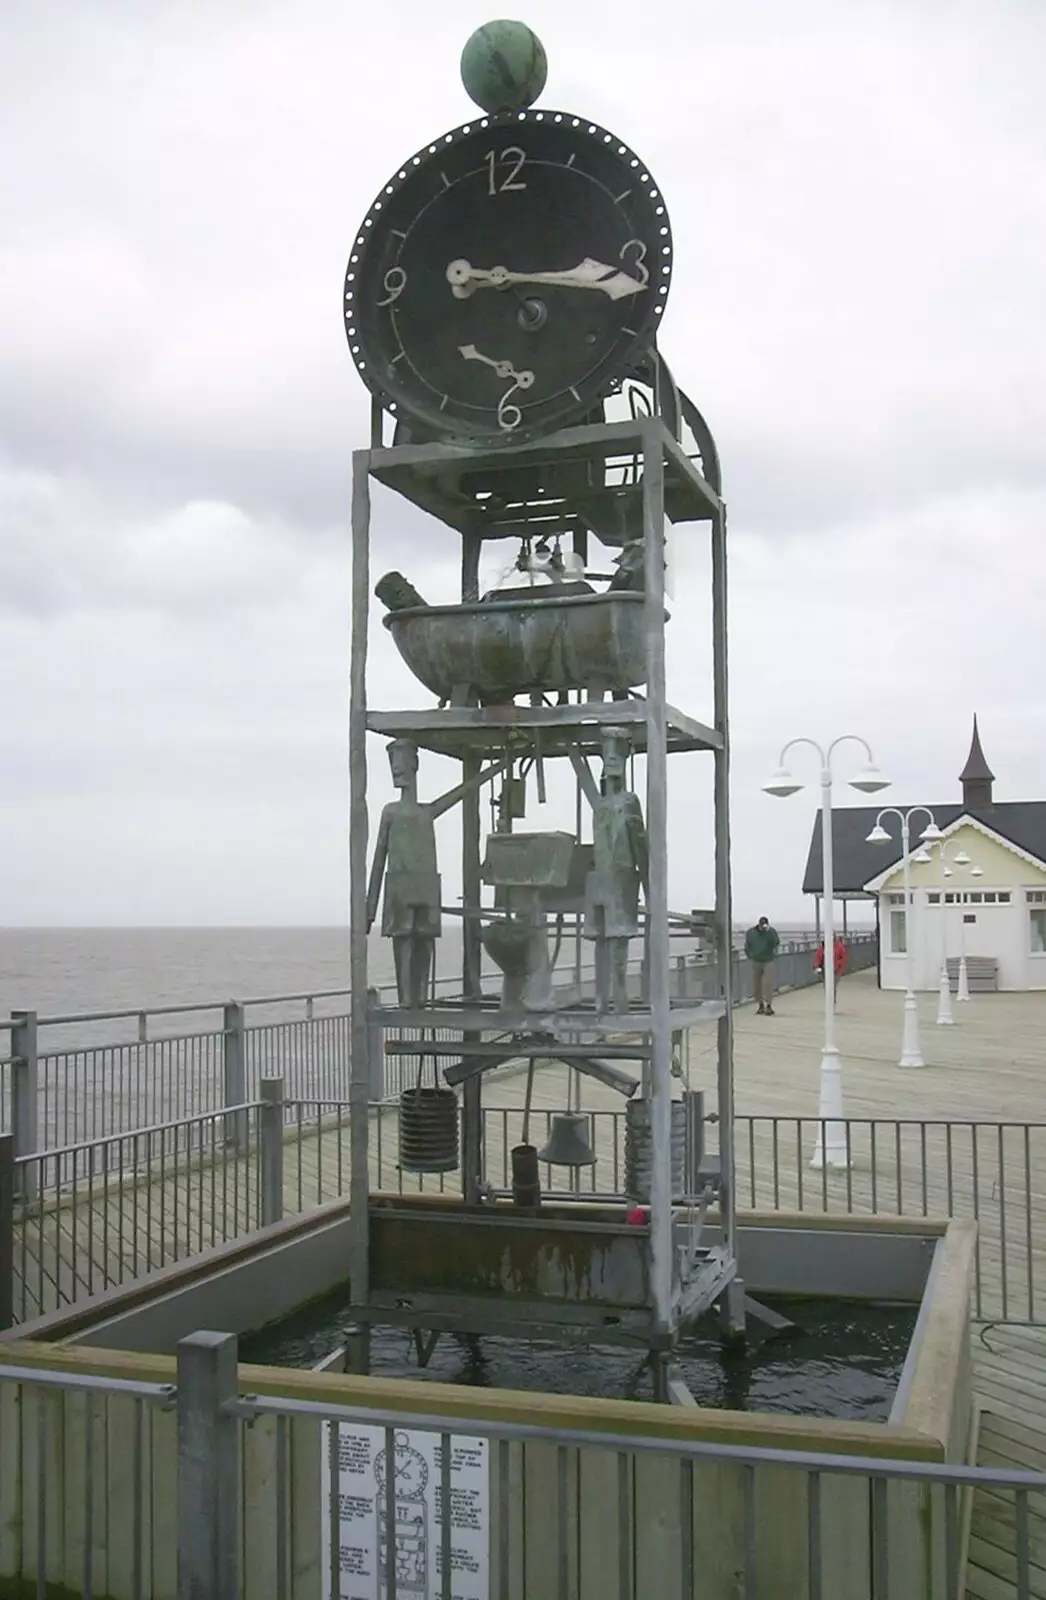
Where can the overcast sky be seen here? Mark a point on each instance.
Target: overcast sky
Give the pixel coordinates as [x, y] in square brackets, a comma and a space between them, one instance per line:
[858, 199]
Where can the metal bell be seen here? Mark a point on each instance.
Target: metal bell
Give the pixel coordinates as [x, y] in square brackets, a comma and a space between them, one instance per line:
[568, 1144]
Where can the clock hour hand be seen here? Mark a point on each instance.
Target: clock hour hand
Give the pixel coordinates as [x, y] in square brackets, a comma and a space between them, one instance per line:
[465, 279]
[504, 369]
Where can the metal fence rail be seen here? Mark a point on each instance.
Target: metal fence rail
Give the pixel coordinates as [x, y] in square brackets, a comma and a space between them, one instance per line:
[991, 1172]
[88, 1217]
[145, 1489]
[77, 1221]
[76, 1078]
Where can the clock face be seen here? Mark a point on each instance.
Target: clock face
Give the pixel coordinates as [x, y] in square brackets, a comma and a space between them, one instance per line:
[507, 276]
[410, 1469]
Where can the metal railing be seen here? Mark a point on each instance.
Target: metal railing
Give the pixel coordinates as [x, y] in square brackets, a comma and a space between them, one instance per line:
[66, 1080]
[90, 1217]
[79, 1220]
[144, 1489]
[993, 1173]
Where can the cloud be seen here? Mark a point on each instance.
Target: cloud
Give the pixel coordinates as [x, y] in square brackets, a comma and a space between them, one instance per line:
[858, 308]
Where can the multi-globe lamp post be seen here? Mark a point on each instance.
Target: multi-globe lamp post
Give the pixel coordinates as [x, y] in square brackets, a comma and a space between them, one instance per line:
[832, 1146]
[911, 1049]
[945, 1016]
[963, 991]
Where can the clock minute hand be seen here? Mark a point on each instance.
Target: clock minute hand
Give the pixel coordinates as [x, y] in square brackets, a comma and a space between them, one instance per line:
[504, 369]
[470, 353]
[464, 279]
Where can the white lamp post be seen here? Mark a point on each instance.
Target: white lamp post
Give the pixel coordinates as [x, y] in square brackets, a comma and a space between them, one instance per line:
[911, 1050]
[963, 992]
[831, 1147]
[945, 1016]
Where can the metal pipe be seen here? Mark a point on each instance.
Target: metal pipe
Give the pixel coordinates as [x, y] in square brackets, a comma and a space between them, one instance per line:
[471, 932]
[723, 884]
[652, 432]
[359, 1067]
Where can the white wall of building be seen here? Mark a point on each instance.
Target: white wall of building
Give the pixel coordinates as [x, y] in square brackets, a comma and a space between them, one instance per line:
[1001, 914]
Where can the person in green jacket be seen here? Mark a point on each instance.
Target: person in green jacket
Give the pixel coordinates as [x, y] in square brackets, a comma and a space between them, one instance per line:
[761, 944]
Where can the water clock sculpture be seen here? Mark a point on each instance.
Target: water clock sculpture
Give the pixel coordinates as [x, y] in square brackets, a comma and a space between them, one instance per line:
[502, 304]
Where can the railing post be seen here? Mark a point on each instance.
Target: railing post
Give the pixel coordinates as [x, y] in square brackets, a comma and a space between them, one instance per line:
[270, 1156]
[375, 1047]
[208, 1468]
[7, 1231]
[24, 1100]
[694, 1100]
[234, 1060]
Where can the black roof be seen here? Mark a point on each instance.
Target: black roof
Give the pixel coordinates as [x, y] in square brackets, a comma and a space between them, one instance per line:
[855, 861]
[976, 769]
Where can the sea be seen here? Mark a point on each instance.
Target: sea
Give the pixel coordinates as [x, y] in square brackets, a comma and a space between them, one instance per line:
[67, 971]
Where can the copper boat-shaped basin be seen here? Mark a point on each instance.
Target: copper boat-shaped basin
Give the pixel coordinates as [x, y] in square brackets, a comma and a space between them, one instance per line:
[507, 646]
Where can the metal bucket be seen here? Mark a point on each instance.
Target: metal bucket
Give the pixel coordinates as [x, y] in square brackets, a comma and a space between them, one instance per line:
[428, 1130]
[639, 1146]
[526, 1181]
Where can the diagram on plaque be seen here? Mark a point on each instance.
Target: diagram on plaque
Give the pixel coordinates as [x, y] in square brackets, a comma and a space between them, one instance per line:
[409, 1473]
[367, 1536]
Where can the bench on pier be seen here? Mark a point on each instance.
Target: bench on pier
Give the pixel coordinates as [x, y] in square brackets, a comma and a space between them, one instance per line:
[982, 974]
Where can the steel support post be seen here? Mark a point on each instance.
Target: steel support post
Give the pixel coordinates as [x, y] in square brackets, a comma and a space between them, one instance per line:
[208, 1468]
[724, 906]
[471, 941]
[234, 1073]
[270, 1155]
[7, 1231]
[375, 1047]
[24, 1100]
[359, 1066]
[659, 970]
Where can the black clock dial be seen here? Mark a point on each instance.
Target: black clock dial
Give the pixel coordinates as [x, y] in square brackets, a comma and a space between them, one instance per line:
[507, 276]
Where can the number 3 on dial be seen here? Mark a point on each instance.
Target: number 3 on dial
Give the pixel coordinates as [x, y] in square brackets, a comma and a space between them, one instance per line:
[633, 254]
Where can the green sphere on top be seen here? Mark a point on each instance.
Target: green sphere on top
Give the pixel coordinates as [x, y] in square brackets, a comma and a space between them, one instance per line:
[504, 67]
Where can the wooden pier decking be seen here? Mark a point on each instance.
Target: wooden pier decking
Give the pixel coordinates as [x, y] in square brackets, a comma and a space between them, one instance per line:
[1010, 1384]
[923, 1155]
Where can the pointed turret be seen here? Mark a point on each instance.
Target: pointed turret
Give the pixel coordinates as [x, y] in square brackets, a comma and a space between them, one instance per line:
[976, 776]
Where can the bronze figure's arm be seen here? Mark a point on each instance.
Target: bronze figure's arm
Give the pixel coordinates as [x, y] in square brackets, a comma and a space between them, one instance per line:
[637, 838]
[377, 868]
[589, 786]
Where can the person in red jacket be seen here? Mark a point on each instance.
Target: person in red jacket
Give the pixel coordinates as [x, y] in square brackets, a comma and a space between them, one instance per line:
[838, 962]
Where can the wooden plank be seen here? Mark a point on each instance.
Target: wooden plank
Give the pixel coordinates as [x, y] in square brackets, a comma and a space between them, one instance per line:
[125, 1492]
[11, 1490]
[260, 1531]
[1011, 1436]
[988, 1560]
[162, 1570]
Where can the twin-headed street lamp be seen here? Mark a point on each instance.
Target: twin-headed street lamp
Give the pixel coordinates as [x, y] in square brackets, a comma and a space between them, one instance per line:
[831, 1149]
[911, 1050]
[945, 1017]
[963, 991]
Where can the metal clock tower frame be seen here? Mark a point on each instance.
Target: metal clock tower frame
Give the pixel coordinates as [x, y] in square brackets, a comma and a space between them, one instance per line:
[493, 469]
[672, 487]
